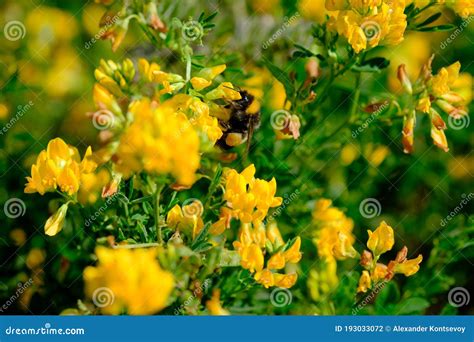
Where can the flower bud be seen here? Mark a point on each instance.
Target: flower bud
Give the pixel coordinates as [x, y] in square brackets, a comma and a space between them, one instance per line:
[403, 78]
[409, 122]
[55, 223]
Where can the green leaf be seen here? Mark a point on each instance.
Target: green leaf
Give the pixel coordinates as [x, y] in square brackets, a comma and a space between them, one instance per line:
[281, 76]
[446, 27]
[431, 19]
[201, 238]
[414, 305]
[372, 65]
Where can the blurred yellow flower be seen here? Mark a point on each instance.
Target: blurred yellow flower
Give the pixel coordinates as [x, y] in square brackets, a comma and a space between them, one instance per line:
[214, 304]
[333, 236]
[131, 279]
[158, 141]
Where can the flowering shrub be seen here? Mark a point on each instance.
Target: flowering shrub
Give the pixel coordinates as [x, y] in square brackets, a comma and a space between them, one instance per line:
[235, 155]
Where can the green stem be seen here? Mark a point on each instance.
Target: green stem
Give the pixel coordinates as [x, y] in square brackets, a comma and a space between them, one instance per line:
[157, 214]
[355, 103]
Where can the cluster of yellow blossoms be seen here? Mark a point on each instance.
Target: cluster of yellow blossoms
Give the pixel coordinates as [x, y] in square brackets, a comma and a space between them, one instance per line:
[434, 94]
[159, 141]
[249, 198]
[252, 244]
[128, 280]
[59, 166]
[380, 241]
[368, 23]
[160, 136]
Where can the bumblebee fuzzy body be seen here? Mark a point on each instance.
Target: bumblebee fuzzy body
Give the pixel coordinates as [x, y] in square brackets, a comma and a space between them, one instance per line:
[241, 124]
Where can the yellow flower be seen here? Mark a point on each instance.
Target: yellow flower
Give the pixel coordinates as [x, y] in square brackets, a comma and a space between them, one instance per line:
[274, 235]
[55, 223]
[91, 186]
[226, 91]
[252, 258]
[323, 280]
[59, 166]
[464, 8]
[333, 237]
[424, 104]
[439, 138]
[364, 282]
[445, 78]
[250, 198]
[313, 10]
[186, 219]
[379, 272]
[214, 305]
[277, 261]
[130, 280]
[293, 253]
[285, 280]
[212, 72]
[35, 258]
[381, 240]
[200, 83]
[410, 266]
[158, 141]
[265, 277]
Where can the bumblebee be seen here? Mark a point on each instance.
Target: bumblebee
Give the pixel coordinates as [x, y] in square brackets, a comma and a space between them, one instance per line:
[240, 126]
